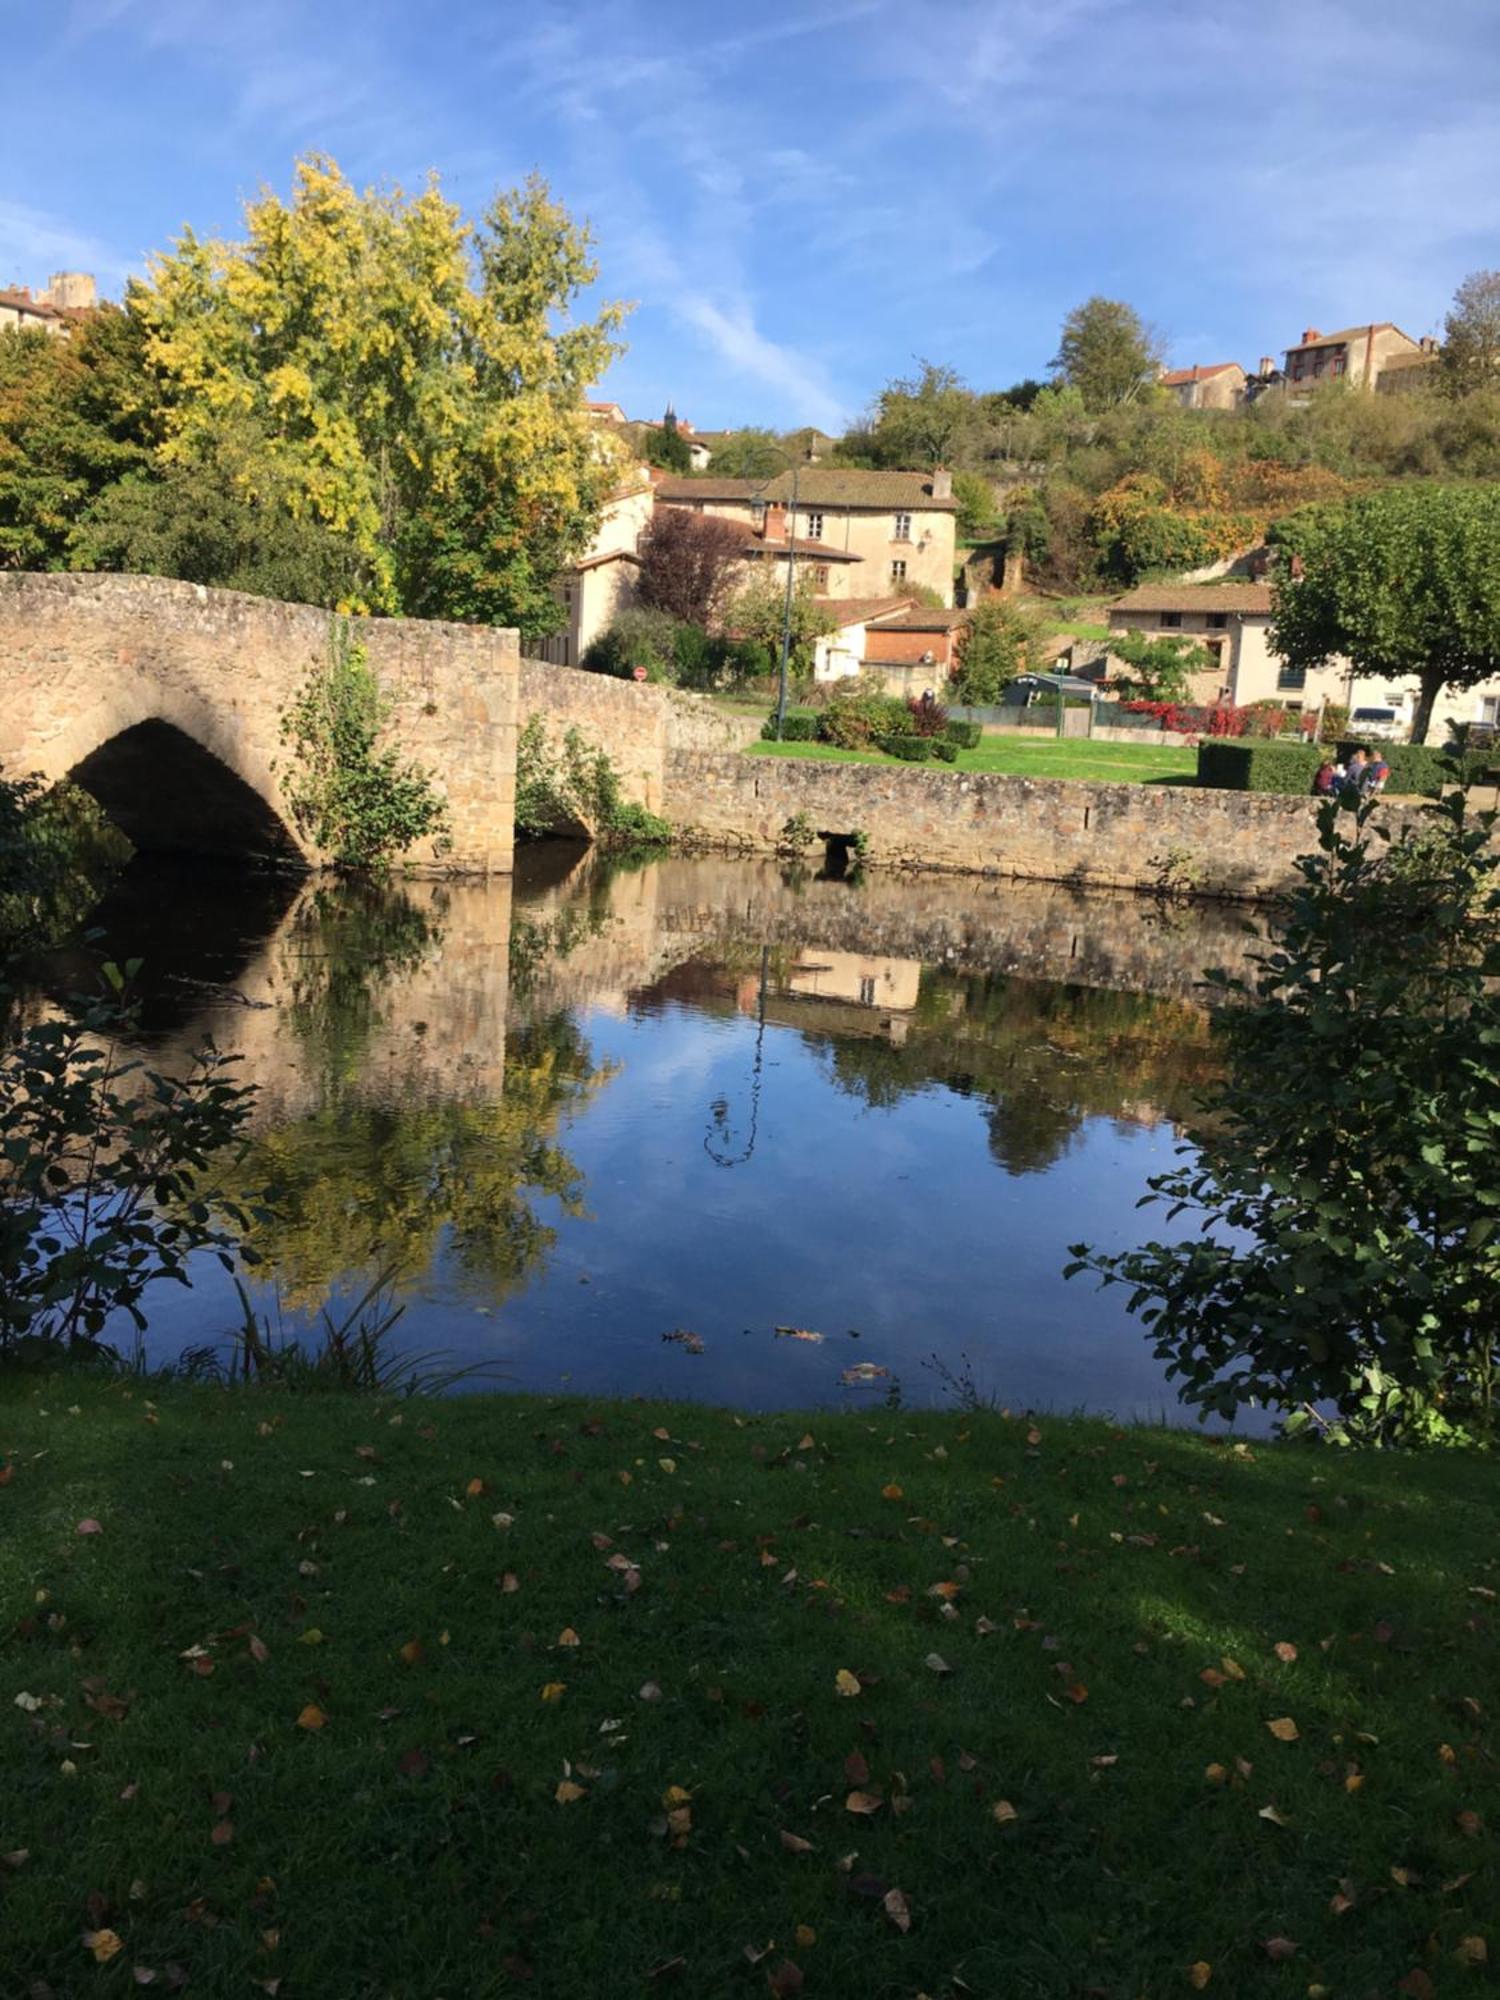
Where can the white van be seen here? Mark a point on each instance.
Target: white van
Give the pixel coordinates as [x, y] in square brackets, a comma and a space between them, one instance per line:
[1385, 725]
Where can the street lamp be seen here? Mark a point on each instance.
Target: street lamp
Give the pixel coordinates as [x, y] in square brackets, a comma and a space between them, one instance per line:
[786, 616]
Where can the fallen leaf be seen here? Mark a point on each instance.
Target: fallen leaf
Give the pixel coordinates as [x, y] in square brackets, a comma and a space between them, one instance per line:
[475, 1488]
[1416, 1985]
[846, 1683]
[892, 1492]
[784, 1979]
[312, 1717]
[554, 1690]
[1270, 1813]
[510, 1583]
[1199, 1974]
[412, 1652]
[1472, 1951]
[650, 1691]
[567, 1637]
[806, 1442]
[1232, 1668]
[1104, 1763]
[1469, 1823]
[567, 1792]
[937, 1664]
[222, 1832]
[1216, 1774]
[1004, 1812]
[675, 1795]
[805, 1936]
[103, 1944]
[897, 1909]
[260, 1652]
[1211, 1677]
[863, 1802]
[412, 1763]
[16, 1858]
[92, 1527]
[1279, 1948]
[856, 1770]
[1283, 1729]
[1285, 1651]
[1076, 1691]
[795, 1844]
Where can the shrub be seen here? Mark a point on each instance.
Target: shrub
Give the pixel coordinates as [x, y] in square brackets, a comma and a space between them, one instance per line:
[635, 638]
[1333, 722]
[858, 710]
[1257, 767]
[995, 645]
[925, 718]
[1342, 1189]
[944, 749]
[967, 735]
[794, 729]
[910, 749]
[575, 789]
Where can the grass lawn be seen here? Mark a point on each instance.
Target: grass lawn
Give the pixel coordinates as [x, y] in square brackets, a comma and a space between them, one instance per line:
[351, 1698]
[1104, 763]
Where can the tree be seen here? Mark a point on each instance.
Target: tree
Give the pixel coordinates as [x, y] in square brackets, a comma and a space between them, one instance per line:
[758, 612]
[1403, 584]
[921, 420]
[689, 563]
[1471, 336]
[978, 516]
[666, 448]
[1107, 353]
[412, 378]
[749, 454]
[1158, 669]
[1343, 1173]
[993, 647]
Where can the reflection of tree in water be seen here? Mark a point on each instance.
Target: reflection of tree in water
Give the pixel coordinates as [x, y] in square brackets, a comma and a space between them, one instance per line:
[348, 942]
[382, 1180]
[1044, 1058]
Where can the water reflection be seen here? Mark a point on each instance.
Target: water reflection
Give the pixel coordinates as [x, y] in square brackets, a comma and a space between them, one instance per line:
[608, 1105]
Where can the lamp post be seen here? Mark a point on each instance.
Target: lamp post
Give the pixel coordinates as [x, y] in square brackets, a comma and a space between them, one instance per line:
[786, 616]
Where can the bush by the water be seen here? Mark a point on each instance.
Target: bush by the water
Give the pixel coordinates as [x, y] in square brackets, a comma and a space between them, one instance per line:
[1257, 767]
[794, 728]
[967, 735]
[1345, 1262]
[910, 749]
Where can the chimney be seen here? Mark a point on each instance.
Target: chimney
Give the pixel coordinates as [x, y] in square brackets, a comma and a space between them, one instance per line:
[1267, 365]
[942, 483]
[1429, 344]
[1309, 335]
[774, 529]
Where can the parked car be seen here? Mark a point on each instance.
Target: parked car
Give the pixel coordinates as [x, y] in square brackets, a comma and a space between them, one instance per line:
[1387, 725]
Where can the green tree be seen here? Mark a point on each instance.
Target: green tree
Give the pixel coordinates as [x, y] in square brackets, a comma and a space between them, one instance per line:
[994, 646]
[666, 448]
[921, 420]
[1349, 1242]
[757, 615]
[748, 454]
[1404, 584]
[978, 515]
[1107, 353]
[1159, 668]
[416, 381]
[1471, 336]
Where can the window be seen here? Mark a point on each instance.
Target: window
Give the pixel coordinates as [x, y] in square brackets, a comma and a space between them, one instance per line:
[1171, 621]
[867, 993]
[902, 530]
[820, 576]
[898, 572]
[1297, 369]
[815, 527]
[1217, 620]
[1293, 679]
[1338, 364]
[1489, 708]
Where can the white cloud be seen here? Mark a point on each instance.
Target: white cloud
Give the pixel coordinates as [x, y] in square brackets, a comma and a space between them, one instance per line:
[799, 382]
[34, 244]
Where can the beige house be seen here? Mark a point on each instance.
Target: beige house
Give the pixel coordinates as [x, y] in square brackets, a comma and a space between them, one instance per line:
[1219, 386]
[862, 534]
[54, 310]
[1357, 354]
[603, 582]
[910, 646]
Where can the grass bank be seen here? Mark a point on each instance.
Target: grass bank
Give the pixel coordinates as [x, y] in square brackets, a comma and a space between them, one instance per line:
[1102, 763]
[502, 1694]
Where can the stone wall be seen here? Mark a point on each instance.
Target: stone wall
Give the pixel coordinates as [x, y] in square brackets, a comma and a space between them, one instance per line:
[638, 724]
[1239, 844]
[86, 658]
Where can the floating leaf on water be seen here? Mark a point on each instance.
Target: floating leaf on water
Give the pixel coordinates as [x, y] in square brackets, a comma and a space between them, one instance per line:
[799, 1333]
[681, 1336]
[859, 1374]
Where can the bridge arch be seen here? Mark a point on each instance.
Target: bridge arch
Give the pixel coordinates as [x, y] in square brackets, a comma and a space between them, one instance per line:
[165, 701]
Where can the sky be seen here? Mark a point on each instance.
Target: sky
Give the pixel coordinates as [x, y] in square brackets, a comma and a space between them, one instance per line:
[803, 201]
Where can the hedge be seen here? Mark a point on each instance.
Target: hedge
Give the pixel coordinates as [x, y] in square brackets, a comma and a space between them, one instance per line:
[967, 735]
[1421, 767]
[944, 749]
[1241, 766]
[795, 729]
[910, 749]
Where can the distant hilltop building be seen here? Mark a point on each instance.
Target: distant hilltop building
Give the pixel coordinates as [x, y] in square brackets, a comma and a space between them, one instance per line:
[1218, 386]
[54, 310]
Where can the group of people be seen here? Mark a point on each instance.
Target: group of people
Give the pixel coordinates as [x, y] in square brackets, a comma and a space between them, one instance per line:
[1362, 777]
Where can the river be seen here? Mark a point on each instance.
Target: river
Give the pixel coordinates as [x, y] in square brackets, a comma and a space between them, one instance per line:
[699, 1128]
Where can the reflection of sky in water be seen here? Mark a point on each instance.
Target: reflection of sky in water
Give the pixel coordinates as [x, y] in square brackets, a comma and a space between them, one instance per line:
[935, 1222]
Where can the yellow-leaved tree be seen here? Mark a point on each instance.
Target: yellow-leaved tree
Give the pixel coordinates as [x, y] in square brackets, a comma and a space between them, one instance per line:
[414, 383]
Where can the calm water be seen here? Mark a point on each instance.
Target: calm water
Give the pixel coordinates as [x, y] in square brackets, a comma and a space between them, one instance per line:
[702, 1099]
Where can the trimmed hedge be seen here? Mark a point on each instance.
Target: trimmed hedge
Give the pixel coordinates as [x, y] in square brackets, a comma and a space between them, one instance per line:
[795, 729]
[966, 735]
[1421, 767]
[944, 749]
[910, 749]
[1241, 766]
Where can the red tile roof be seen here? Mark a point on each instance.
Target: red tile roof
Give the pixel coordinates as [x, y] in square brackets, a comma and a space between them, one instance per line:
[1250, 597]
[1178, 378]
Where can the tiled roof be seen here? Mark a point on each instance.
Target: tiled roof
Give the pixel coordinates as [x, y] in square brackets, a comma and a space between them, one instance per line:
[1348, 333]
[820, 486]
[925, 618]
[860, 610]
[609, 556]
[818, 551]
[1179, 378]
[1195, 597]
[22, 301]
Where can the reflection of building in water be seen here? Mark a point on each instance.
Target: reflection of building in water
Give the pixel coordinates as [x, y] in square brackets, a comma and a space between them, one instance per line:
[850, 975]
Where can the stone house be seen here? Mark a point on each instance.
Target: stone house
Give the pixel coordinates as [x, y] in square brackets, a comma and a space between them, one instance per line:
[1219, 386]
[54, 310]
[602, 583]
[863, 534]
[1356, 354]
[910, 646]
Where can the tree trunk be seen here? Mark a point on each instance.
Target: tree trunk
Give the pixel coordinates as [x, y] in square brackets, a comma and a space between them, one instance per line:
[1432, 687]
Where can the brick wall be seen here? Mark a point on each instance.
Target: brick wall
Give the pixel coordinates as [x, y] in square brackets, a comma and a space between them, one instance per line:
[87, 657]
[1108, 836]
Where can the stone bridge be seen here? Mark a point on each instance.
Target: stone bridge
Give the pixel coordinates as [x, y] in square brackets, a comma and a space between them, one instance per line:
[164, 700]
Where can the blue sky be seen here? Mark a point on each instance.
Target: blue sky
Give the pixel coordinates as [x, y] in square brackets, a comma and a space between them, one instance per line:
[802, 198]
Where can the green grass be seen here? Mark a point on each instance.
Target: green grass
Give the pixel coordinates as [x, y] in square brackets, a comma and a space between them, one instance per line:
[1103, 763]
[350, 1557]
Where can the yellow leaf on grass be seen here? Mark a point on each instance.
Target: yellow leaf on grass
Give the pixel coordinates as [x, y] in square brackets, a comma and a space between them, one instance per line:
[567, 1636]
[863, 1802]
[1199, 1974]
[474, 1488]
[676, 1795]
[892, 1492]
[567, 1792]
[411, 1652]
[897, 1909]
[553, 1691]
[1004, 1811]
[1472, 1951]
[103, 1944]
[806, 1936]
[1216, 1774]
[1284, 1729]
[846, 1683]
[312, 1717]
